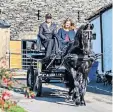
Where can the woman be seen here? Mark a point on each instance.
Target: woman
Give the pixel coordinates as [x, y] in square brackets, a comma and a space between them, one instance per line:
[66, 35]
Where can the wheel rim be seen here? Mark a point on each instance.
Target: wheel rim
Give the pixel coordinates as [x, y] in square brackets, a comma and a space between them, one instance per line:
[38, 83]
[29, 78]
[37, 87]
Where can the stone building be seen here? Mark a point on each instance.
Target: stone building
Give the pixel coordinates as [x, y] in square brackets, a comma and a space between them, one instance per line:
[22, 14]
[4, 43]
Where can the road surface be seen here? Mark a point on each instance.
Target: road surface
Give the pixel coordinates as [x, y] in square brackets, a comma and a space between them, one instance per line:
[98, 99]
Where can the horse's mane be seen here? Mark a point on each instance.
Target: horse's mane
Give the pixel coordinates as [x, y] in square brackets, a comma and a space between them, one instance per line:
[78, 41]
[78, 36]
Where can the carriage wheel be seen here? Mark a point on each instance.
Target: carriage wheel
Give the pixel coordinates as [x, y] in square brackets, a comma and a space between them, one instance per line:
[47, 80]
[30, 77]
[38, 84]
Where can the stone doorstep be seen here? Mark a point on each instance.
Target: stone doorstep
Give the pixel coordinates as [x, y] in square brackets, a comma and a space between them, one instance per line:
[20, 76]
[20, 73]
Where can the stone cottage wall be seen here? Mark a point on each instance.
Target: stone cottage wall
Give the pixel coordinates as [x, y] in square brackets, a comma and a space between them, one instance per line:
[24, 22]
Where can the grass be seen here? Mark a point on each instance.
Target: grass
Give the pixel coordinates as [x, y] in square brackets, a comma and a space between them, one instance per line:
[16, 109]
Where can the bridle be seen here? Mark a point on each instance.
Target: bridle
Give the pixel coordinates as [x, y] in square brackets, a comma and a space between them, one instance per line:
[86, 39]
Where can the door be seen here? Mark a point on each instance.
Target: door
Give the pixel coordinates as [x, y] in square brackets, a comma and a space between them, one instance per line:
[96, 44]
[15, 54]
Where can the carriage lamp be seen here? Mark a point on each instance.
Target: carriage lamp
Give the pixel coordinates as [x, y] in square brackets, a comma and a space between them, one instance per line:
[94, 36]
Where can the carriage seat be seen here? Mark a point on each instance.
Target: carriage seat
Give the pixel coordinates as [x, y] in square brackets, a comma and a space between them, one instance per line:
[39, 52]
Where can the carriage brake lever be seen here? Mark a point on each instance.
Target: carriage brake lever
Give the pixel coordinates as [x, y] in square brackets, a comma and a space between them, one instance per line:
[51, 62]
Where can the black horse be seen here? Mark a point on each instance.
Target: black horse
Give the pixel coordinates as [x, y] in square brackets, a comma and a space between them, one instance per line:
[78, 63]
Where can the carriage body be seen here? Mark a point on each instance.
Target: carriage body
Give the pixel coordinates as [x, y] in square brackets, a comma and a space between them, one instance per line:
[53, 74]
[57, 66]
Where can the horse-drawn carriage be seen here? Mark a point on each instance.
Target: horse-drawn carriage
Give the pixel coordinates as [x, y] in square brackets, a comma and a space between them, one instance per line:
[72, 68]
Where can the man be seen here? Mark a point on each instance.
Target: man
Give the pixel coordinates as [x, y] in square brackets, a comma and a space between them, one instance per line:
[48, 35]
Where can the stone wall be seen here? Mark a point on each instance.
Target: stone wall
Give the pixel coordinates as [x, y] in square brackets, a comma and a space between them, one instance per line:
[4, 47]
[4, 62]
[21, 14]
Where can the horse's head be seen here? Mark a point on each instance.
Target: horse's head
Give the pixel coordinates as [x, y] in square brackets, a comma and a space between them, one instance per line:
[84, 36]
[87, 36]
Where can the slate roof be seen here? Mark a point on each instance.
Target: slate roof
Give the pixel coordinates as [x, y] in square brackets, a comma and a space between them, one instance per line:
[101, 10]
